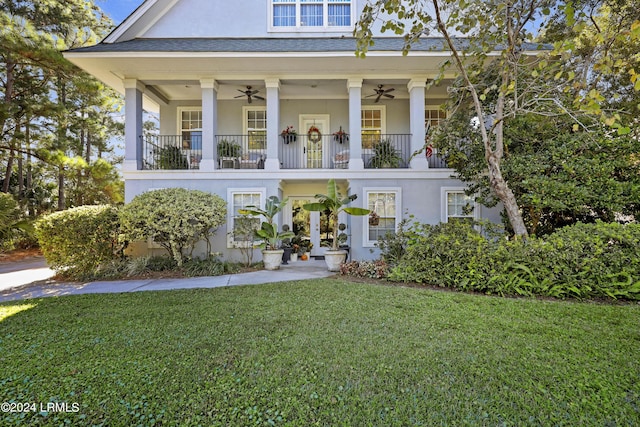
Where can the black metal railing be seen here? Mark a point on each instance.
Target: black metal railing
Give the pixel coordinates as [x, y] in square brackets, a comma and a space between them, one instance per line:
[386, 151]
[170, 152]
[305, 152]
[241, 151]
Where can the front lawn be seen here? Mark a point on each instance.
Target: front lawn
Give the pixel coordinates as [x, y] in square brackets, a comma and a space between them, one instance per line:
[322, 352]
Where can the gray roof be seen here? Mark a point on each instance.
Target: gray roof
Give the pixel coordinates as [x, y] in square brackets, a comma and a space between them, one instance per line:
[271, 45]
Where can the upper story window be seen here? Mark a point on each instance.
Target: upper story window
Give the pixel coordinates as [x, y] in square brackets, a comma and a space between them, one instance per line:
[255, 119]
[311, 14]
[372, 121]
[190, 125]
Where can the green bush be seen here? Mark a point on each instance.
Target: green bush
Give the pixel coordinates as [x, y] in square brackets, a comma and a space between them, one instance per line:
[76, 242]
[175, 218]
[365, 269]
[583, 260]
[452, 255]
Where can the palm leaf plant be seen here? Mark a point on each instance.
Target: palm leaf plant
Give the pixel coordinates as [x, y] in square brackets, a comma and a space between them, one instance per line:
[268, 230]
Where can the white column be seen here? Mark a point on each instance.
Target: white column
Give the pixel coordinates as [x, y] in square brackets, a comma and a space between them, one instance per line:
[416, 88]
[354, 86]
[273, 123]
[133, 152]
[209, 123]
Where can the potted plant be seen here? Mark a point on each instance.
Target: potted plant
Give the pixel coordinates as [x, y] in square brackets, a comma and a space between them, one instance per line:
[289, 135]
[385, 155]
[268, 231]
[335, 203]
[229, 149]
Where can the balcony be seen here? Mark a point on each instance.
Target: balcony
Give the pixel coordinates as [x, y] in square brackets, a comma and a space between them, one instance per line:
[172, 152]
[175, 152]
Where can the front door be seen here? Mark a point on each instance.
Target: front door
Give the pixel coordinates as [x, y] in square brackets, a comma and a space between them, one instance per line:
[311, 226]
[317, 137]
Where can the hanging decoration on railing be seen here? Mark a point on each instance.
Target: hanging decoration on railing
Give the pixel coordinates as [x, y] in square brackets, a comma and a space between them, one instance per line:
[314, 134]
[341, 136]
[289, 135]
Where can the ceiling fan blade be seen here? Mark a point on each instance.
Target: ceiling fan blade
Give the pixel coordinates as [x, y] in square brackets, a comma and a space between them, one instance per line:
[378, 98]
[259, 97]
[239, 96]
[389, 90]
[369, 96]
[388, 96]
[252, 92]
[249, 98]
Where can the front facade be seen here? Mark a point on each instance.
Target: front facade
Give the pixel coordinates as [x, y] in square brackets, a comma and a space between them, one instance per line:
[263, 98]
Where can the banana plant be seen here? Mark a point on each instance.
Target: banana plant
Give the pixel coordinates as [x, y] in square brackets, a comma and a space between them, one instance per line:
[335, 203]
[268, 230]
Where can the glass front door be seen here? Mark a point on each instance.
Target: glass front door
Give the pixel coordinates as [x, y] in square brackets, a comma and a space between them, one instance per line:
[310, 226]
[315, 128]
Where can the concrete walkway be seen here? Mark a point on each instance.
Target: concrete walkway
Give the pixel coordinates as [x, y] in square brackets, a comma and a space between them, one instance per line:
[33, 281]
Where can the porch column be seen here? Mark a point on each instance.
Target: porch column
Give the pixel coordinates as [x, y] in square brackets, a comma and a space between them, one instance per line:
[273, 123]
[209, 123]
[416, 88]
[354, 86]
[133, 151]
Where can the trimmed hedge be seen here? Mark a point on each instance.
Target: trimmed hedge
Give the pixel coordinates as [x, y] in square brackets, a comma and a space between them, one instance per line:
[175, 218]
[584, 261]
[78, 241]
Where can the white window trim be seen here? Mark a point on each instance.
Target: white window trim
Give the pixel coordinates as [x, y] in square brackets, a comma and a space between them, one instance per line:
[179, 117]
[444, 205]
[326, 28]
[245, 116]
[366, 243]
[232, 244]
[383, 122]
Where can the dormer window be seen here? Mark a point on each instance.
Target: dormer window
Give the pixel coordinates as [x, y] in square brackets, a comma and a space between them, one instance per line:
[290, 15]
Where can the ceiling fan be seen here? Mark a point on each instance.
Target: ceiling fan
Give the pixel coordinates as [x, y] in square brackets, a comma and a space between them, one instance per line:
[380, 92]
[249, 93]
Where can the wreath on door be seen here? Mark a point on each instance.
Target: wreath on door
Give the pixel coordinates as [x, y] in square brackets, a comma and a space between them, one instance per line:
[314, 134]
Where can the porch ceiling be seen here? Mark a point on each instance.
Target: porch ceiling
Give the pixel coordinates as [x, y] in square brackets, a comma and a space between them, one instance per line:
[176, 76]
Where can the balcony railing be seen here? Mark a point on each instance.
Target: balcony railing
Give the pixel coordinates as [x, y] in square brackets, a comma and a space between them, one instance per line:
[386, 151]
[172, 151]
[167, 152]
[241, 151]
[304, 152]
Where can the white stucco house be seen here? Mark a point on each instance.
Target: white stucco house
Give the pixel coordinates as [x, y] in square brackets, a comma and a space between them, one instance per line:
[228, 77]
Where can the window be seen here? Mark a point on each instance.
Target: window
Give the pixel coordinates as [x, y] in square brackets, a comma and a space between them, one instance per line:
[458, 206]
[433, 115]
[385, 203]
[372, 122]
[311, 14]
[255, 119]
[190, 126]
[240, 226]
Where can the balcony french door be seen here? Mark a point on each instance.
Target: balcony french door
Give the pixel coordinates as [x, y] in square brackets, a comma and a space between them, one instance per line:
[315, 154]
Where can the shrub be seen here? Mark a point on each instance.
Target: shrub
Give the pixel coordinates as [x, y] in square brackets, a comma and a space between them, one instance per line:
[365, 269]
[450, 254]
[77, 241]
[583, 260]
[175, 218]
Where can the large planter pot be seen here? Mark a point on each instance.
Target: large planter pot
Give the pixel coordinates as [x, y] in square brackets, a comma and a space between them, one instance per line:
[272, 259]
[333, 259]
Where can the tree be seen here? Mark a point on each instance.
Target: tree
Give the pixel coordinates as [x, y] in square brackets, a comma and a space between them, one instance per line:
[50, 111]
[481, 30]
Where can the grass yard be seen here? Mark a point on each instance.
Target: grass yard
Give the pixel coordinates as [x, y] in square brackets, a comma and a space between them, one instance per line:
[322, 352]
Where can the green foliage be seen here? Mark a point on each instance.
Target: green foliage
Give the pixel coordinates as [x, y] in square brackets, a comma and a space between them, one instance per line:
[584, 261]
[268, 230]
[171, 158]
[76, 242]
[334, 203]
[323, 352]
[174, 218]
[385, 155]
[13, 228]
[229, 149]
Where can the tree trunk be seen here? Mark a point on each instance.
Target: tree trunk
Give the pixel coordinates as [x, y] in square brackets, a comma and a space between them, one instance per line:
[61, 198]
[7, 176]
[506, 196]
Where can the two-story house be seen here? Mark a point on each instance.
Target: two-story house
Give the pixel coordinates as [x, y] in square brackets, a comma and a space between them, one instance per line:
[229, 78]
